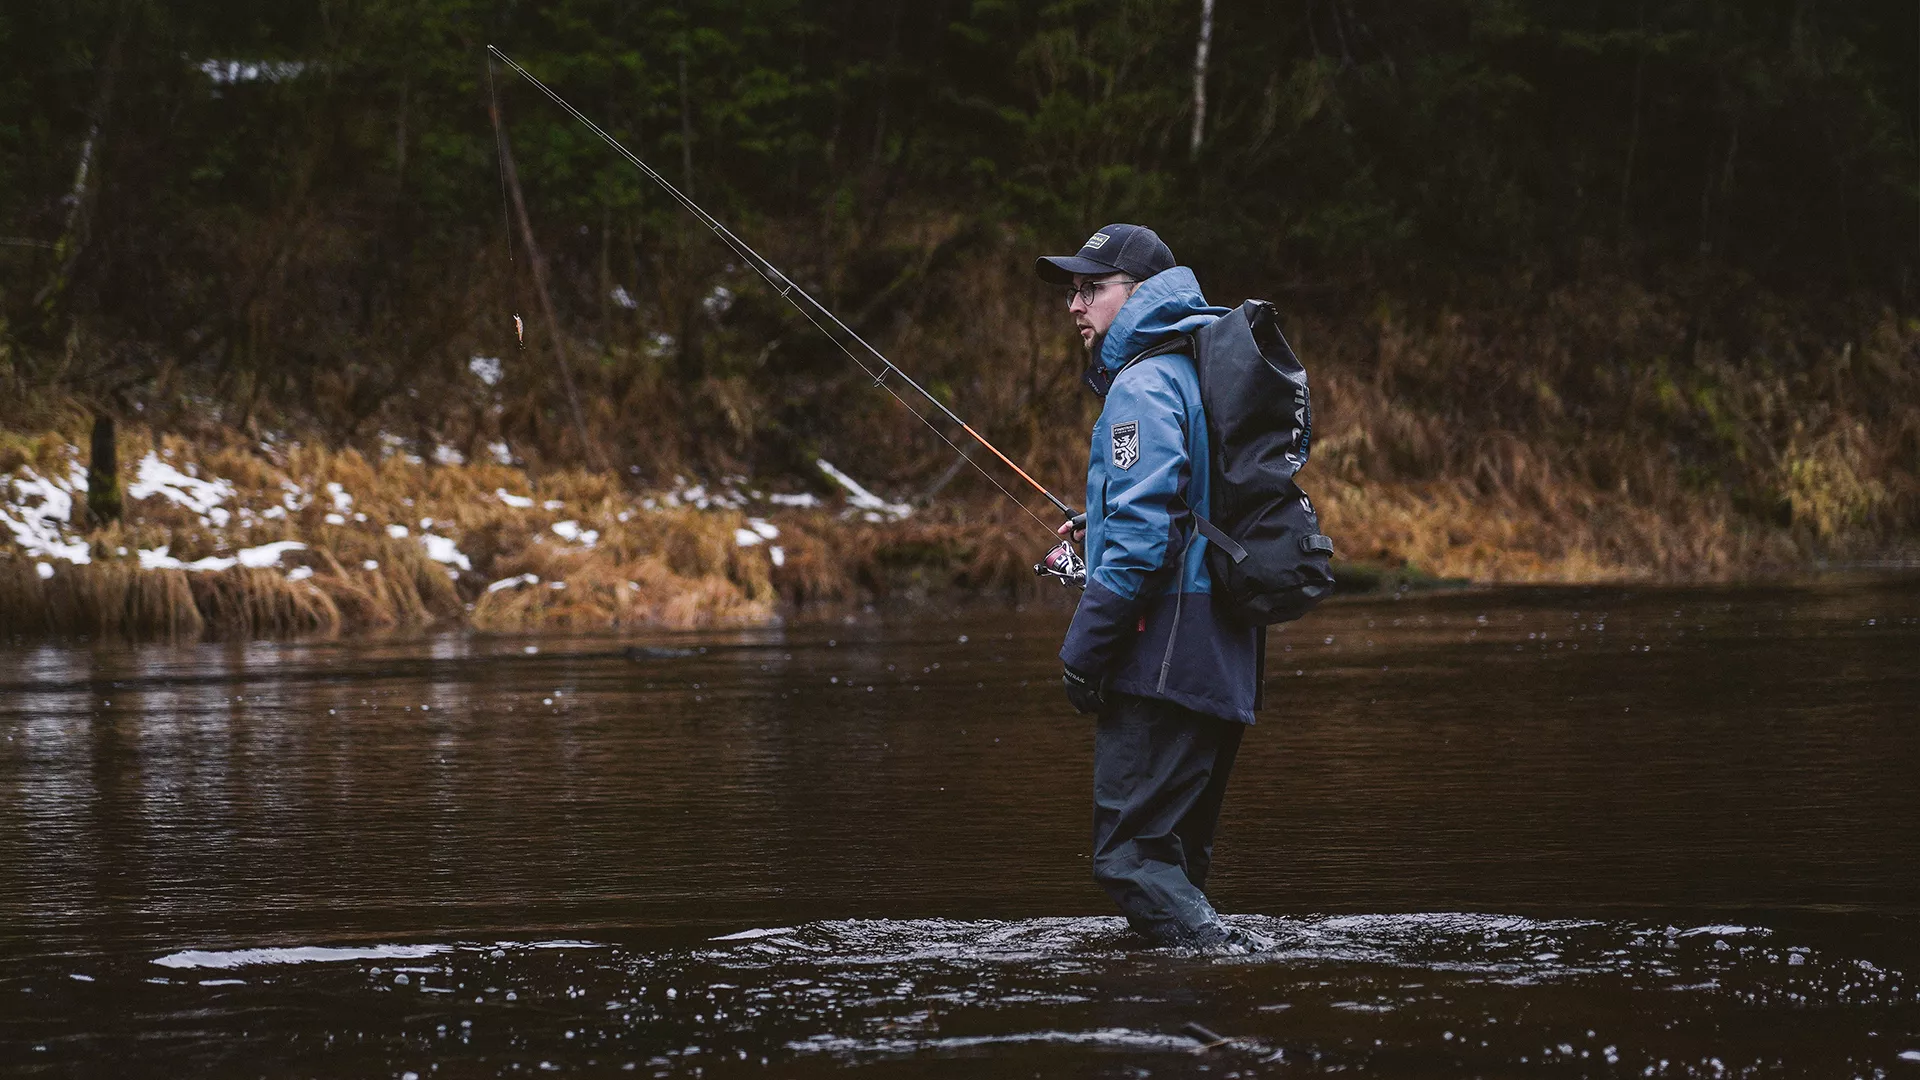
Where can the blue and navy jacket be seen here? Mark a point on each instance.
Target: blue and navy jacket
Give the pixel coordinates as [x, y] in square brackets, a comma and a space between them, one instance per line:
[1147, 623]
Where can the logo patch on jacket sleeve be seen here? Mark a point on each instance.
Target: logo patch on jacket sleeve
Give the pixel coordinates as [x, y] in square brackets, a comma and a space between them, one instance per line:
[1126, 444]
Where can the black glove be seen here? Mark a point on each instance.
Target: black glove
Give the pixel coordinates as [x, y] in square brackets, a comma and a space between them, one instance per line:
[1083, 691]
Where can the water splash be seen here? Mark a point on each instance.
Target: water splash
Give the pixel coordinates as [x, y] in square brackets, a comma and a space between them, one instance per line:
[1464, 993]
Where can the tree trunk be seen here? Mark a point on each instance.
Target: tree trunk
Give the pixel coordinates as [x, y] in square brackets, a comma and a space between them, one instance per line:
[103, 472]
[1633, 144]
[73, 235]
[400, 141]
[887, 65]
[606, 271]
[686, 128]
[1200, 77]
[539, 265]
[1633, 131]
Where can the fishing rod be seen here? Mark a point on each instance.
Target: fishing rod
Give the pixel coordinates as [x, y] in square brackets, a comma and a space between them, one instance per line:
[814, 310]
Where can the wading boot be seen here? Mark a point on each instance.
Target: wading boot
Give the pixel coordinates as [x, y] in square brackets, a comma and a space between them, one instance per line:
[1222, 939]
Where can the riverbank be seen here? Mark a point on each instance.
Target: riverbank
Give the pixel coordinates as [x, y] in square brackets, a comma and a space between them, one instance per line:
[243, 538]
[286, 538]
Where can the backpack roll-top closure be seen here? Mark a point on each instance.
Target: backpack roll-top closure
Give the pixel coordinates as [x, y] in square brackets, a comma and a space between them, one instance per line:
[1258, 408]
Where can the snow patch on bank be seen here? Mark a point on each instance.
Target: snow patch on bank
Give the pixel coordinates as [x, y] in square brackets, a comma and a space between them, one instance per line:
[757, 530]
[442, 550]
[255, 558]
[873, 507]
[204, 497]
[486, 368]
[40, 507]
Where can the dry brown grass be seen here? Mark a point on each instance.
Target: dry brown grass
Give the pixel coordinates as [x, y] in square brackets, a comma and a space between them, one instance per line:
[1589, 434]
[101, 599]
[674, 568]
[1562, 468]
[679, 568]
[663, 565]
[258, 603]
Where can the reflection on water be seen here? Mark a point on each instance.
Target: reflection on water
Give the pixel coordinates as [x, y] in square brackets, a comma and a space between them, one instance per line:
[1680, 828]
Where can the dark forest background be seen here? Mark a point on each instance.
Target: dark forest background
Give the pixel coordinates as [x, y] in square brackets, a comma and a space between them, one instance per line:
[1663, 252]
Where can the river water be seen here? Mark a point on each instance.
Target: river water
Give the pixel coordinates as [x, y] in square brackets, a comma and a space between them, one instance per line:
[1579, 832]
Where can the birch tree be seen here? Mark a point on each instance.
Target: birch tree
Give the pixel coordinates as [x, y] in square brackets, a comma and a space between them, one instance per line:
[1200, 77]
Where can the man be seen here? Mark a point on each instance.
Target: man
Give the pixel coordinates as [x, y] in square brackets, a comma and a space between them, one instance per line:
[1173, 680]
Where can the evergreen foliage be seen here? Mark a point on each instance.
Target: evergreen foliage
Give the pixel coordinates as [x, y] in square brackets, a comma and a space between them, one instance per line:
[294, 209]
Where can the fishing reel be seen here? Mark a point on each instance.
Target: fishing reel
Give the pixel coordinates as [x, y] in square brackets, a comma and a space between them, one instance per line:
[1064, 565]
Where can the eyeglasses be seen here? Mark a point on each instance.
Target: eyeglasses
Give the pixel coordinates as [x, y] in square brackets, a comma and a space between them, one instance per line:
[1086, 293]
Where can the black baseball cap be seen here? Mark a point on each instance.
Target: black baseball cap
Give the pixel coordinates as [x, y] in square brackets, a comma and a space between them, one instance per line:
[1130, 249]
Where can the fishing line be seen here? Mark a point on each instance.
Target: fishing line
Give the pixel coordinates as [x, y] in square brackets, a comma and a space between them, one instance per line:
[786, 287]
[506, 219]
[879, 381]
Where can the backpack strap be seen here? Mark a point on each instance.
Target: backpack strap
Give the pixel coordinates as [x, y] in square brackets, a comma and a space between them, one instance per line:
[1309, 545]
[1215, 534]
[1100, 381]
[1220, 539]
[1178, 343]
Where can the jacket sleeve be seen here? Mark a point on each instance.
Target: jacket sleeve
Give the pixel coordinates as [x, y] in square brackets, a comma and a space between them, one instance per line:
[1138, 530]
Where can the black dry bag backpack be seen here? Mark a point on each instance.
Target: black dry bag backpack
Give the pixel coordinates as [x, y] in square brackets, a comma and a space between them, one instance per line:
[1268, 558]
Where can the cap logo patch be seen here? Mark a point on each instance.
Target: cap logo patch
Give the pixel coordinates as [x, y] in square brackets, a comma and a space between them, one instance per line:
[1097, 241]
[1126, 444]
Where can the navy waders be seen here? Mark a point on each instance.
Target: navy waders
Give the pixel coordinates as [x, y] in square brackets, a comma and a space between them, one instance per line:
[1159, 775]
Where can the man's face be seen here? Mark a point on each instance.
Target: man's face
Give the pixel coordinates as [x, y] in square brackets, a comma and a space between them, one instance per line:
[1093, 316]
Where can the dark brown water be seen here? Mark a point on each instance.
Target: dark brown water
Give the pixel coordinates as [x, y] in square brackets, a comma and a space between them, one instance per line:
[1565, 832]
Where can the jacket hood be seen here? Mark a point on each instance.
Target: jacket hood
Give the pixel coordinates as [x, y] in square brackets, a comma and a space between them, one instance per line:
[1166, 304]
